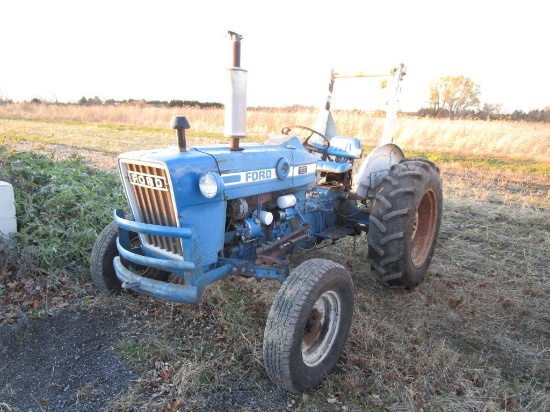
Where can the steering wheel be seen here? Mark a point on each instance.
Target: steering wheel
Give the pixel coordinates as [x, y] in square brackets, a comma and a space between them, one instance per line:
[286, 130]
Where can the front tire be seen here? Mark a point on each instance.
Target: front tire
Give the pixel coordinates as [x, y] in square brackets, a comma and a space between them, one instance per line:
[308, 325]
[101, 261]
[405, 222]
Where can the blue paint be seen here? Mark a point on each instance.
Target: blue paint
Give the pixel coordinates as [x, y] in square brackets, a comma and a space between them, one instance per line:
[215, 244]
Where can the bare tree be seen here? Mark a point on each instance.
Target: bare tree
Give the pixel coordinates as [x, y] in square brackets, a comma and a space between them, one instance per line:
[436, 99]
[454, 94]
[490, 111]
[4, 98]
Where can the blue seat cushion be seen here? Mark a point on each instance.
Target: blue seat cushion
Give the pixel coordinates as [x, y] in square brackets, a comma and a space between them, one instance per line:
[348, 147]
[333, 167]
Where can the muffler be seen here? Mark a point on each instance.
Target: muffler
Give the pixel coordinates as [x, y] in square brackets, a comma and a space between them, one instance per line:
[235, 105]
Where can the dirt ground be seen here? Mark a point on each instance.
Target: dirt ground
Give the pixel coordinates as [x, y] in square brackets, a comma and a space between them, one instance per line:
[68, 361]
[64, 361]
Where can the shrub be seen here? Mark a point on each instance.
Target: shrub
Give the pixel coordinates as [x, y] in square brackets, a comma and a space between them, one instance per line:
[61, 206]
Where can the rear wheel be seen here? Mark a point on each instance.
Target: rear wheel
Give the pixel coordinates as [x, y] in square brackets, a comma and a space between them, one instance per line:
[405, 222]
[101, 261]
[308, 325]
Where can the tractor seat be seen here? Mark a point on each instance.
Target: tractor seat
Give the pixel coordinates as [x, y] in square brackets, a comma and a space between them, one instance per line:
[343, 149]
[348, 147]
[333, 167]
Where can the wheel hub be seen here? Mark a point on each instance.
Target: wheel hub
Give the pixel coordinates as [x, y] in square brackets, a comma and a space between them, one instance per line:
[424, 227]
[415, 225]
[321, 328]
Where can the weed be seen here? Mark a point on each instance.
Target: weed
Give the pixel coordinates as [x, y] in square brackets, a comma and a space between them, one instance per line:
[135, 351]
[60, 208]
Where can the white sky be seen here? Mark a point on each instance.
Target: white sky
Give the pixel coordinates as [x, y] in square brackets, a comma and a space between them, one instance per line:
[165, 50]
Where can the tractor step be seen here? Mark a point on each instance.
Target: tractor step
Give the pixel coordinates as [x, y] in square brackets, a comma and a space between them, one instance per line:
[337, 232]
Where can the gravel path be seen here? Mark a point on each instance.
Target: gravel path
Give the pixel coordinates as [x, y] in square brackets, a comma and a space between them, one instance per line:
[62, 362]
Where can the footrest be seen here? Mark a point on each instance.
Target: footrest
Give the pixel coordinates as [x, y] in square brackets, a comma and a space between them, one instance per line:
[337, 232]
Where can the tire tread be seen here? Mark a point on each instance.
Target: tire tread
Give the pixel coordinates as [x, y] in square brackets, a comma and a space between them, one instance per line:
[286, 312]
[394, 210]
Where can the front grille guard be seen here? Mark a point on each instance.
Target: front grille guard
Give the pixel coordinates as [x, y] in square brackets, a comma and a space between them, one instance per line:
[149, 190]
[188, 267]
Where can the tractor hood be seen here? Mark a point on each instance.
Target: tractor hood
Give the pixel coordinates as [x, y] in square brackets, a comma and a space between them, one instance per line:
[279, 164]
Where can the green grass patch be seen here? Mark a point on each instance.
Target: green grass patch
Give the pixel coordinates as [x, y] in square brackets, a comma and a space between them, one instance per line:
[90, 124]
[134, 351]
[105, 138]
[516, 165]
[61, 206]
[471, 161]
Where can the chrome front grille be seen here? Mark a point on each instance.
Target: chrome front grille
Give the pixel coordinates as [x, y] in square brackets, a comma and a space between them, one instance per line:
[152, 195]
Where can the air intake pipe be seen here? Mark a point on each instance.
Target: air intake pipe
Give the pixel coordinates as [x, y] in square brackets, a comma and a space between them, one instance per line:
[235, 105]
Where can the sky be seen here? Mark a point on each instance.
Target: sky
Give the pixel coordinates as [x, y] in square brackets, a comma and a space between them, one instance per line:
[179, 50]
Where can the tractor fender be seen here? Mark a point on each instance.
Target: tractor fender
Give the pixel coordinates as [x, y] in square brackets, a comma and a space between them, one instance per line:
[375, 167]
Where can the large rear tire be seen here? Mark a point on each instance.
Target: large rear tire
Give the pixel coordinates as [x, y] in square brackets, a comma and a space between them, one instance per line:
[308, 325]
[405, 222]
[101, 261]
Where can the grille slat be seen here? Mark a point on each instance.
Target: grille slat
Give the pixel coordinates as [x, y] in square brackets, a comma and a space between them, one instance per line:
[153, 197]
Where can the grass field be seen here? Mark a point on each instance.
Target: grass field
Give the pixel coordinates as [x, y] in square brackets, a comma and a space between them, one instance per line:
[474, 336]
[518, 140]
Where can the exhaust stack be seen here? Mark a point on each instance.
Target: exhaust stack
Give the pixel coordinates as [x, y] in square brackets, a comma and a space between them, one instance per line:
[235, 106]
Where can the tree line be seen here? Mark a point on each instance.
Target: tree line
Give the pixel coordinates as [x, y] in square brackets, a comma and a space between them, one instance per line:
[458, 97]
[96, 101]
[449, 97]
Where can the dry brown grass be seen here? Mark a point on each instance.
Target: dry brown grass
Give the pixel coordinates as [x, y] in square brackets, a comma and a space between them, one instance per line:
[474, 336]
[466, 137]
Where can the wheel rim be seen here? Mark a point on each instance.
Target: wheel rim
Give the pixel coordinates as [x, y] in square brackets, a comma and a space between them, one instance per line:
[321, 328]
[424, 228]
[145, 271]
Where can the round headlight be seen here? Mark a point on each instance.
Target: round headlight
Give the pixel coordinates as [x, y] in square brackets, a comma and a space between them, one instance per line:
[209, 185]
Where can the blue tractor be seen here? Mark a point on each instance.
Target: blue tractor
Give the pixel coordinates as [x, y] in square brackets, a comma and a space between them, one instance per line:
[200, 214]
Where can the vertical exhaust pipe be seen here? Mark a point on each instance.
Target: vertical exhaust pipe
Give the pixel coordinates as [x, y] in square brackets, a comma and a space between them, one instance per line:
[180, 123]
[235, 105]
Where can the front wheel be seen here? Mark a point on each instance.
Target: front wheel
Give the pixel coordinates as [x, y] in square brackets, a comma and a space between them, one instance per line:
[101, 261]
[405, 222]
[308, 325]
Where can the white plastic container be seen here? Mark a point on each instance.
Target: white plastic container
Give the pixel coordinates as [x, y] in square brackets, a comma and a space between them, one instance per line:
[8, 223]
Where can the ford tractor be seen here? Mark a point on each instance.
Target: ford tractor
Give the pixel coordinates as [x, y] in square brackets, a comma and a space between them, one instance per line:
[200, 214]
